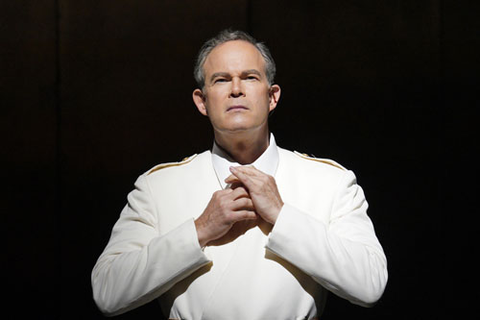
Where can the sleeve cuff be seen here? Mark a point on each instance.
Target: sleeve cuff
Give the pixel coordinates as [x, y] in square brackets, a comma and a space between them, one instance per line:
[287, 236]
[185, 239]
[281, 232]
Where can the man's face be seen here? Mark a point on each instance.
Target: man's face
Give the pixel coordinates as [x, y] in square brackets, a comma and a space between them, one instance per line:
[237, 95]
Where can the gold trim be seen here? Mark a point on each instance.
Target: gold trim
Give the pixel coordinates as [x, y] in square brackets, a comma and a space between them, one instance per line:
[172, 164]
[326, 161]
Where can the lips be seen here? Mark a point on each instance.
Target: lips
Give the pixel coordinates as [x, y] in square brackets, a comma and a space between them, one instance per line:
[236, 108]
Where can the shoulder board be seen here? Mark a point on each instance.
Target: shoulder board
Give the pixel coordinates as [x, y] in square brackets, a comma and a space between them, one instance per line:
[326, 161]
[172, 164]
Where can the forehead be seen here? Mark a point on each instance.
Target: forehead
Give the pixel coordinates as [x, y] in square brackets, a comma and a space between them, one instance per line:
[234, 56]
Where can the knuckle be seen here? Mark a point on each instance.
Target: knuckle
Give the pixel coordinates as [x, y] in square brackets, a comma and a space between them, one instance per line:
[241, 191]
[223, 206]
[243, 202]
[218, 194]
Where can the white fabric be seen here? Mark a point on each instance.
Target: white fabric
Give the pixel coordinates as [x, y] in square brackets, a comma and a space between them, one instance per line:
[323, 240]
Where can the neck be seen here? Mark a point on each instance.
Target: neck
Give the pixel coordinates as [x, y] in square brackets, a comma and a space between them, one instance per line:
[244, 147]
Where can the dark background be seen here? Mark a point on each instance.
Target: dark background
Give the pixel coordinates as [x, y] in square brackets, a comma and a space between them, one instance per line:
[94, 93]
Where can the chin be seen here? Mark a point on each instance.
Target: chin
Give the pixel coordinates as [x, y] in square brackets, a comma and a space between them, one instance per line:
[239, 126]
[237, 130]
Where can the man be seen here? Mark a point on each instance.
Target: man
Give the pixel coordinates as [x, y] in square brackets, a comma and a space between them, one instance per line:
[245, 231]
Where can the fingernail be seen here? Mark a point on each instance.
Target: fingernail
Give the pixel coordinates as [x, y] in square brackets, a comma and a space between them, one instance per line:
[232, 169]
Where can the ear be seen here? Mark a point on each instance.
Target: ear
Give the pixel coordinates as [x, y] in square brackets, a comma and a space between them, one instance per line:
[274, 96]
[199, 99]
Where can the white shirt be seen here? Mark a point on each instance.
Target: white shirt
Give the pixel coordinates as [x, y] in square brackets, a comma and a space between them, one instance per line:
[267, 162]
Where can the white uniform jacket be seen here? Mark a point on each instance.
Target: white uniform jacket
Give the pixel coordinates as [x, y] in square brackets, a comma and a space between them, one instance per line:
[323, 240]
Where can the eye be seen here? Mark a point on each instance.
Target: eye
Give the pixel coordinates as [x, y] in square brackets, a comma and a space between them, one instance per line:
[252, 78]
[220, 80]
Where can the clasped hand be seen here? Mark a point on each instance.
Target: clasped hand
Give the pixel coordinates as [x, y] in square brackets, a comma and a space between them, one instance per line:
[252, 200]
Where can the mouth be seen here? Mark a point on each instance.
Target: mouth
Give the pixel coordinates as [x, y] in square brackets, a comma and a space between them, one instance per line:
[236, 108]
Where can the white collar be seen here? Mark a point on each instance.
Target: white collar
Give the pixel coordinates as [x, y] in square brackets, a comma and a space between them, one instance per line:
[266, 163]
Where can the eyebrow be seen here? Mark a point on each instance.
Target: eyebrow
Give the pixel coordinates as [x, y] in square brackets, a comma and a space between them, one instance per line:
[219, 74]
[244, 73]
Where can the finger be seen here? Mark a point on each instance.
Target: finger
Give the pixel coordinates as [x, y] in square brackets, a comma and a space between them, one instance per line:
[245, 215]
[239, 192]
[242, 176]
[250, 170]
[256, 176]
[233, 182]
[243, 204]
[231, 179]
[236, 184]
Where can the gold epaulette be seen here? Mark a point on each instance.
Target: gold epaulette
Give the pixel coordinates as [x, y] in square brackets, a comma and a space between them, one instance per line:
[326, 161]
[172, 164]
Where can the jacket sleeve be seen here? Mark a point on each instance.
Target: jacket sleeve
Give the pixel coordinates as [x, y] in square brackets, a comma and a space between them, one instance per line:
[344, 255]
[138, 264]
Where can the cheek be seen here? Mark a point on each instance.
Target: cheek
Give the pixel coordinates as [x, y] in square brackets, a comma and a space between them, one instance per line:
[262, 98]
[213, 103]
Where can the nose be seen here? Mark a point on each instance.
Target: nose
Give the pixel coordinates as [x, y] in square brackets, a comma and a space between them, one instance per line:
[237, 88]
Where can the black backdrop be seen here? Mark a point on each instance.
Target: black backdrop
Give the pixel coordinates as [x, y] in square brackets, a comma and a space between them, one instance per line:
[93, 93]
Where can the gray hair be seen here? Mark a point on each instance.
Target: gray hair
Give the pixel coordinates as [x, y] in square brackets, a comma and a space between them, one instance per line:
[232, 35]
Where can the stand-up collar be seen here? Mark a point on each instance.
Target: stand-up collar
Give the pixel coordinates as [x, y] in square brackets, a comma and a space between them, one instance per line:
[266, 163]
